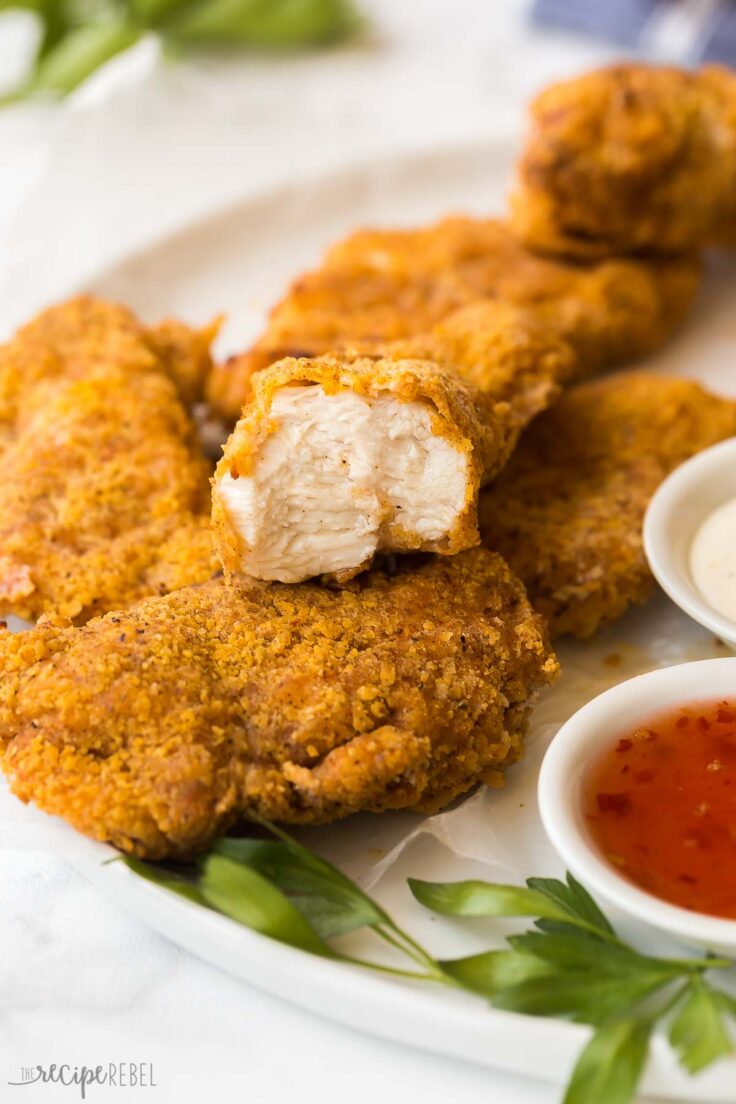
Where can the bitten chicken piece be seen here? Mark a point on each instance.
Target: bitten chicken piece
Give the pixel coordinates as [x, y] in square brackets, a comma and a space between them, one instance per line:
[567, 511]
[159, 727]
[386, 285]
[343, 456]
[104, 497]
[635, 158]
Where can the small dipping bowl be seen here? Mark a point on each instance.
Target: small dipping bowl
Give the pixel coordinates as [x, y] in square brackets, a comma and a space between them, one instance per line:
[677, 510]
[579, 744]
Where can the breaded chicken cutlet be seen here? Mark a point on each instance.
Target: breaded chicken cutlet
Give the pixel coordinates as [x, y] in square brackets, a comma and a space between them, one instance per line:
[387, 285]
[159, 727]
[104, 497]
[567, 511]
[633, 158]
[342, 456]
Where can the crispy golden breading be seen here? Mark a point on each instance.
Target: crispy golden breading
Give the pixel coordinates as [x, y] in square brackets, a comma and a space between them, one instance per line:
[567, 511]
[185, 355]
[104, 497]
[483, 374]
[159, 727]
[508, 353]
[380, 286]
[70, 339]
[635, 158]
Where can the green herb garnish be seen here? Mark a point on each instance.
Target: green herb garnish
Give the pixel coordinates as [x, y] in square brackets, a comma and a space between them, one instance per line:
[571, 963]
[79, 36]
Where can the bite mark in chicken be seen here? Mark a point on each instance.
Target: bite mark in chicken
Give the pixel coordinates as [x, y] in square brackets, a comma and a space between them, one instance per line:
[336, 479]
[340, 457]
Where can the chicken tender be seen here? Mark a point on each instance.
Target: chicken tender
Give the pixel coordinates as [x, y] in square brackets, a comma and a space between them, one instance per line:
[159, 727]
[567, 511]
[104, 497]
[635, 158]
[380, 286]
[340, 457]
[68, 340]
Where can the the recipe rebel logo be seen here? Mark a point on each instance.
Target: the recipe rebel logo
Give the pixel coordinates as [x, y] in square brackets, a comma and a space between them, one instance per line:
[117, 1075]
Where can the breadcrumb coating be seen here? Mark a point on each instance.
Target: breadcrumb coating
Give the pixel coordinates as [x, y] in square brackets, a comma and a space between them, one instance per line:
[158, 727]
[70, 339]
[104, 497]
[485, 373]
[567, 511]
[389, 285]
[633, 158]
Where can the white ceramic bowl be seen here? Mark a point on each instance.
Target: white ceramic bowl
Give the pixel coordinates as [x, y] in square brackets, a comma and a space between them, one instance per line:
[676, 512]
[592, 729]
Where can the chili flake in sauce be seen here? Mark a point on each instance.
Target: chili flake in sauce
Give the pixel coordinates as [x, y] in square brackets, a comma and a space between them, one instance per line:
[661, 806]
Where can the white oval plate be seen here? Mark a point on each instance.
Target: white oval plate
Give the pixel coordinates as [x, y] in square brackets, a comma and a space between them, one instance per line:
[239, 260]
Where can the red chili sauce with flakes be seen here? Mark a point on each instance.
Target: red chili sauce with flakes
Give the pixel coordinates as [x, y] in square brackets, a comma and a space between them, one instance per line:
[661, 806]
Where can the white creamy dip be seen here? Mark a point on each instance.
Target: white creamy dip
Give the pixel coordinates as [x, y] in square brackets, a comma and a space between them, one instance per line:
[713, 559]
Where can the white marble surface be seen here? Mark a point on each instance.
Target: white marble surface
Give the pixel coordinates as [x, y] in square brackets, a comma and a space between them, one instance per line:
[145, 147]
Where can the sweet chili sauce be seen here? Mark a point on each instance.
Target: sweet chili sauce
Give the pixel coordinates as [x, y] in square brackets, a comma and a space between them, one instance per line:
[660, 804]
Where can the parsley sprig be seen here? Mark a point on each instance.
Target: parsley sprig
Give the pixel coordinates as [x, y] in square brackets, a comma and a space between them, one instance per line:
[79, 36]
[570, 963]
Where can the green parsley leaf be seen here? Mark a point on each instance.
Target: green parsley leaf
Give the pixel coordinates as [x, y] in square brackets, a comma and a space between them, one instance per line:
[574, 899]
[24, 5]
[79, 36]
[568, 948]
[332, 903]
[246, 896]
[493, 972]
[550, 901]
[610, 1067]
[154, 12]
[477, 898]
[582, 997]
[167, 879]
[270, 23]
[698, 1032]
[726, 1002]
[72, 58]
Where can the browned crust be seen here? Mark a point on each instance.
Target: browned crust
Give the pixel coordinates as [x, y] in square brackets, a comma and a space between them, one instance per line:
[104, 497]
[185, 354]
[633, 158]
[390, 285]
[158, 727]
[567, 511]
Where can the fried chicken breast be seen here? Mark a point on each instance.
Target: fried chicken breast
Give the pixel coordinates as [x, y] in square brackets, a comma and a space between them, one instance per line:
[634, 158]
[342, 456]
[159, 727]
[387, 285]
[567, 511]
[104, 497]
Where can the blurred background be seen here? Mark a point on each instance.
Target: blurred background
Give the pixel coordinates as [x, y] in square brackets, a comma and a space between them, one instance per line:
[205, 101]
